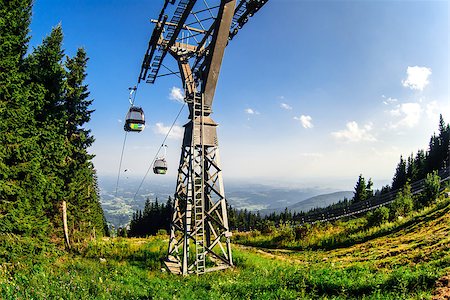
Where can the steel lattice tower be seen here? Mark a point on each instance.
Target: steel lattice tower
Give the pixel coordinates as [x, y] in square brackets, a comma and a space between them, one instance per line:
[196, 37]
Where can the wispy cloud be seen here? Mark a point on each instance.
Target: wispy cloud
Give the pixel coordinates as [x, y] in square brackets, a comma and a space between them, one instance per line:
[417, 78]
[119, 120]
[176, 94]
[286, 106]
[389, 100]
[353, 133]
[306, 121]
[251, 111]
[176, 132]
[407, 114]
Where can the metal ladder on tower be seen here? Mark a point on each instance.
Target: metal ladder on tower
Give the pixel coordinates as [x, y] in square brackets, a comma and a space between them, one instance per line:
[199, 184]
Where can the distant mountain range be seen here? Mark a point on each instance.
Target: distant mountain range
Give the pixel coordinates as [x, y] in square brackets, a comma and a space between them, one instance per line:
[263, 197]
[313, 202]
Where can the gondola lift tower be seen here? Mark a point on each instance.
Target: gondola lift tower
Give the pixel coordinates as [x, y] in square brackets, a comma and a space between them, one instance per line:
[196, 36]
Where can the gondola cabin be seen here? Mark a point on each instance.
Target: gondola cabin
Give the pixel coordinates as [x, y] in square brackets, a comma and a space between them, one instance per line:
[135, 119]
[160, 166]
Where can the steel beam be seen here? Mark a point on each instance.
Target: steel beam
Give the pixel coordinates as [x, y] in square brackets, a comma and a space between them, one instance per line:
[217, 49]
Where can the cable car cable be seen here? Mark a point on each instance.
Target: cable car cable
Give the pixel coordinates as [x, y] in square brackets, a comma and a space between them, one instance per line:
[120, 163]
[162, 145]
[131, 99]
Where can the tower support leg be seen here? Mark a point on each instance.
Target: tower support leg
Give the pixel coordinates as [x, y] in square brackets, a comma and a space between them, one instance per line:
[199, 217]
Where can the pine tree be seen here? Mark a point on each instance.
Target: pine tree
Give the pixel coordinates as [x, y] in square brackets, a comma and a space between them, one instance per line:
[43, 144]
[420, 163]
[80, 177]
[369, 189]
[400, 178]
[360, 193]
[46, 73]
[444, 143]
[21, 179]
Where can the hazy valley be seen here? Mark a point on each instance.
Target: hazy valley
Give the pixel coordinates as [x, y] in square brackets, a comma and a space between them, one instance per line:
[254, 197]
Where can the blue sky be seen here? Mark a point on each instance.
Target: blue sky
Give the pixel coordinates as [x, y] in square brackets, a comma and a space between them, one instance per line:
[310, 91]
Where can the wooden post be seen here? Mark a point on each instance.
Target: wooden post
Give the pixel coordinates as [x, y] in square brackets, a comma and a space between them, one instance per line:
[66, 230]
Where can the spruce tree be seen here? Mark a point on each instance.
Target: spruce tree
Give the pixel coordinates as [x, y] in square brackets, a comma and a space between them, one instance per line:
[21, 179]
[45, 72]
[80, 177]
[400, 175]
[420, 163]
[360, 193]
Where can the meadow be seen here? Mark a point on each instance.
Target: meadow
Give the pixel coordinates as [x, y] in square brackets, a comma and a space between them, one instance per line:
[341, 260]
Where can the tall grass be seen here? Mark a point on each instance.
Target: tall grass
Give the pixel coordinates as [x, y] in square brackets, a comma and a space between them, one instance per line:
[343, 260]
[257, 275]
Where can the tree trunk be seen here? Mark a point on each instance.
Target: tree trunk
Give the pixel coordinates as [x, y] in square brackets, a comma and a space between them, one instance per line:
[66, 230]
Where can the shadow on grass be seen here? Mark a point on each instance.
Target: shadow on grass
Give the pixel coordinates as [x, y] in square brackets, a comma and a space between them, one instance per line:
[343, 240]
[439, 211]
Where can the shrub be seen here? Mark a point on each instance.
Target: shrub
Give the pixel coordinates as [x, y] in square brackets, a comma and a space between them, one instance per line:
[284, 233]
[302, 231]
[161, 232]
[431, 189]
[378, 216]
[403, 203]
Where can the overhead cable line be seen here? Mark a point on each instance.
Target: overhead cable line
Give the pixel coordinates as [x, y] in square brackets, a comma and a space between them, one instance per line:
[160, 147]
[131, 99]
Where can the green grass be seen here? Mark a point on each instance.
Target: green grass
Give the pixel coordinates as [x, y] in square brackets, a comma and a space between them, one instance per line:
[400, 260]
[256, 276]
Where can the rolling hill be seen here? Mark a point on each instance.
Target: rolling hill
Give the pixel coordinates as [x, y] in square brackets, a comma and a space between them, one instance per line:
[312, 202]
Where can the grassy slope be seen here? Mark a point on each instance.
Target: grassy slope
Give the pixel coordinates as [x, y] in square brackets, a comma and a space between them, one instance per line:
[397, 261]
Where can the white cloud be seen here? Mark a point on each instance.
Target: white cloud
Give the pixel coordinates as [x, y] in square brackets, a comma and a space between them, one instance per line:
[176, 132]
[119, 120]
[417, 78]
[176, 94]
[409, 114]
[353, 133]
[286, 106]
[389, 100]
[251, 111]
[305, 121]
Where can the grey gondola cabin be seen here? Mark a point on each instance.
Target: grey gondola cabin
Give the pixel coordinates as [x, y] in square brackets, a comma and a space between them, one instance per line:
[160, 166]
[135, 119]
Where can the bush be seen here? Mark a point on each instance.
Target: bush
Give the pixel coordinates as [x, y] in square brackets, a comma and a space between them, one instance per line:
[403, 203]
[302, 231]
[161, 232]
[285, 233]
[378, 216]
[431, 189]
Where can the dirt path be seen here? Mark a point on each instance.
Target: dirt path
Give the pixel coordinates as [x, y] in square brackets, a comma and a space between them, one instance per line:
[442, 291]
[280, 254]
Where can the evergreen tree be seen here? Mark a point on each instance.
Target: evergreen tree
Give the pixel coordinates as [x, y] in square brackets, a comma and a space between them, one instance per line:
[400, 175]
[80, 178]
[46, 73]
[369, 189]
[420, 163]
[43, 144]
[411, 168]
[360, 193]
[444, 143]
[21, 179]
[153, 218]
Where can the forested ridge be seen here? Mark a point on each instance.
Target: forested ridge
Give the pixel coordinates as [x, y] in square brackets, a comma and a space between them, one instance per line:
[44, 108]
[423, 165]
